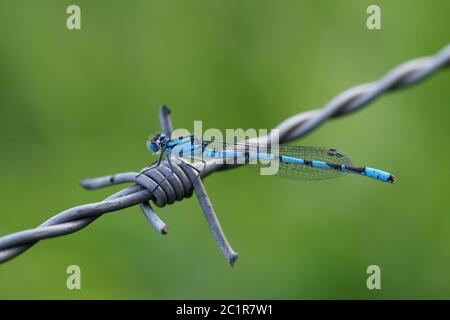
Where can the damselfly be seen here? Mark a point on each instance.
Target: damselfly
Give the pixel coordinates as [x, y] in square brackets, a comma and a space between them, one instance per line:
[293, 161]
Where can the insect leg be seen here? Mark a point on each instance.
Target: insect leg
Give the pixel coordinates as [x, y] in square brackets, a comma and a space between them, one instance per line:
[153, 165]
[199, 171]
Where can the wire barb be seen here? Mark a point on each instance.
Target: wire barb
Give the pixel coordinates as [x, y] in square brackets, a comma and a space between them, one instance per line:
[162, 186]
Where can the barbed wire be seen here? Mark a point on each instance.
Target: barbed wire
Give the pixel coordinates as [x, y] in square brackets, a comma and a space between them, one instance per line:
[163, 186]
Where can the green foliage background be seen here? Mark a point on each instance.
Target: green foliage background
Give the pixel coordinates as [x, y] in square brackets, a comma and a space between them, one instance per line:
[77, 104]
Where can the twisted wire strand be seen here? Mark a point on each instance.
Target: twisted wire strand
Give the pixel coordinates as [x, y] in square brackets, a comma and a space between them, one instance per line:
[149, 186]
[356, 97]
[163, 187]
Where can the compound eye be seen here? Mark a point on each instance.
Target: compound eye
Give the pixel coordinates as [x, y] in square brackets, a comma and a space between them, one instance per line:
[154, 147]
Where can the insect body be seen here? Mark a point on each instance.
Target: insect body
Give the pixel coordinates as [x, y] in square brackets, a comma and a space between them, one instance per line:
[293, 161]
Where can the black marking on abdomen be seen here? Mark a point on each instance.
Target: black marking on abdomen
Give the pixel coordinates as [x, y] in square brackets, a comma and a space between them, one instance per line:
[356, 169]
[235, 157]
[334, 165]
[307, 162]
[246, 157]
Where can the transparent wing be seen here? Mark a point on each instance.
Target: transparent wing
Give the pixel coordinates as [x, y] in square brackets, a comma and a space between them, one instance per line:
[290, 170]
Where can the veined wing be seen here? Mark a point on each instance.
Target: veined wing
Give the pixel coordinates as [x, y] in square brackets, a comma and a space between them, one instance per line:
[282, 154]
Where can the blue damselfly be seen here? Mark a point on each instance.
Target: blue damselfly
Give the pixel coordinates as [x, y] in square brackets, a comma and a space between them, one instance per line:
[295, 162]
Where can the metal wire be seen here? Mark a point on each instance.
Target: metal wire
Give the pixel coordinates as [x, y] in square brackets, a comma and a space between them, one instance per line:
[163, 187]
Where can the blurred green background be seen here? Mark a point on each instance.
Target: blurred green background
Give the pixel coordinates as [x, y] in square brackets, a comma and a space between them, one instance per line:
[81, 103]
